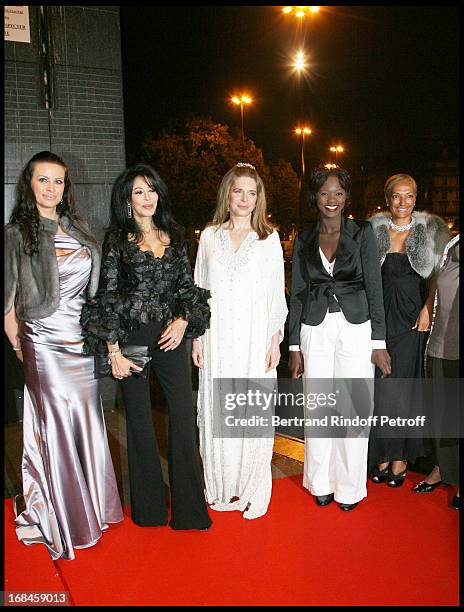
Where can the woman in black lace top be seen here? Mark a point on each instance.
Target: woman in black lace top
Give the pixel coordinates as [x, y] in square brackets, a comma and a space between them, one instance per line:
[147, 296]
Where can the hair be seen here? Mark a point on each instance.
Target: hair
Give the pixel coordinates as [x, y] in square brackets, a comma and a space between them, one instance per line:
[121, 195]
[25, 213]
[319, 176]
[391, 182]
[259, 221]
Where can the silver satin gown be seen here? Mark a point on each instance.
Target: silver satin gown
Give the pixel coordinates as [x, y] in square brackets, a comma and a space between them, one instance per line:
[69, 486]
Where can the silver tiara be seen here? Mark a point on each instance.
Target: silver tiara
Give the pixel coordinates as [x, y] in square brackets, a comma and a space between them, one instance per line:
[245, 165]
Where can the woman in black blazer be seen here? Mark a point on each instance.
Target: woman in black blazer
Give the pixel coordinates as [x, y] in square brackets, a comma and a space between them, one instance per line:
[337, 326]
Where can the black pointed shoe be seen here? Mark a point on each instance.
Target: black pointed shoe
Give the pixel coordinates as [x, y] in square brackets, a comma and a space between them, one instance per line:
[455, 502]
[425, 487]
[324, 500]
[347, 507]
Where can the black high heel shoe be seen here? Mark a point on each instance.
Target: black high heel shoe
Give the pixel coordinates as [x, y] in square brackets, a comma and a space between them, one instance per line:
[455, 502]
[395, 480]
[425, 487]
[379, 476]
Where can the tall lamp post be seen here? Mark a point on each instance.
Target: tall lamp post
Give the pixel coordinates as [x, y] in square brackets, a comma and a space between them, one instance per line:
[302, 132]
[337, 149]
[243, 99]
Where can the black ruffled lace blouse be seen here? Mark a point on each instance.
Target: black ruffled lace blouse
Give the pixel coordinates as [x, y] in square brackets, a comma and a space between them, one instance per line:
[136, 287]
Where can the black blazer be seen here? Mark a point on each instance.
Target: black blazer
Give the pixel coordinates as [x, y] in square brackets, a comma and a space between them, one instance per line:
[356, 281]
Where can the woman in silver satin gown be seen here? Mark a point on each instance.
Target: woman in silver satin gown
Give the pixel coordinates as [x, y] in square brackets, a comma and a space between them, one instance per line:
[51, 261]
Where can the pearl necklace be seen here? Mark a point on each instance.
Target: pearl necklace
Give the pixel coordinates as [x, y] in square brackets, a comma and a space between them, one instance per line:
[401, 228]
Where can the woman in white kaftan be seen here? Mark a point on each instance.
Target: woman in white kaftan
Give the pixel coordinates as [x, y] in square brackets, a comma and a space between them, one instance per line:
[245, 274]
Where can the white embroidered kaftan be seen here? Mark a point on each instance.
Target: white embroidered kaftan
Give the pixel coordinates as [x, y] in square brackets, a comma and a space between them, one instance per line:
[247, 308]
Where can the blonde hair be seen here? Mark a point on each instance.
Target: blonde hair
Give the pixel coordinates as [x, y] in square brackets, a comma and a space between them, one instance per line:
[391, 182]
[259, 221]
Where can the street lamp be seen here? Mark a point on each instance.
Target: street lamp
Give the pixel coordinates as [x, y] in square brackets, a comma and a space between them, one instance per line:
[300, 11]
[243, 99]
[302, 132]
[337, 149]
[299, 62]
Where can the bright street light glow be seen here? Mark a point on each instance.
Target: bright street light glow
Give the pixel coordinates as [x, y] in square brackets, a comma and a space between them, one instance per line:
[300, 11]
[337, 149]
[303, 130]
[243, 99]
[300, 62]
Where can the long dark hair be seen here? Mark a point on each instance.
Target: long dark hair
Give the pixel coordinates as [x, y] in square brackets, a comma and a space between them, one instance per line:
[319, 176]
[25, 213]
[122, 194]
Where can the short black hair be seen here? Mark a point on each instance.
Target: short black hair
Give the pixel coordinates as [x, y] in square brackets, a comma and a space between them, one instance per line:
[319, 176]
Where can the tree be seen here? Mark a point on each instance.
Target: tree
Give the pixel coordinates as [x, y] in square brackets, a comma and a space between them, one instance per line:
[283, 194]
[192, 160]
[193, 157]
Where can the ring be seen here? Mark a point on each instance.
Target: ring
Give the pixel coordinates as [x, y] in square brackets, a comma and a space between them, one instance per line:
[119, 377]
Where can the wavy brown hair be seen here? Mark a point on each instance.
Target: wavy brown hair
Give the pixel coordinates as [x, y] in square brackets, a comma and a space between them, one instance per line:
[25, 213]
[259, 221]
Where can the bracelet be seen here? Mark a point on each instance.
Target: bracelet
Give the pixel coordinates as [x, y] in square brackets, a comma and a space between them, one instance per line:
[112, 353]
[15, 348]
[196, 340]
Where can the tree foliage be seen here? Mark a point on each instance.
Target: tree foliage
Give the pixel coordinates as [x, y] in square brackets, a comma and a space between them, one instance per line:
[193, 158]
[283, 194]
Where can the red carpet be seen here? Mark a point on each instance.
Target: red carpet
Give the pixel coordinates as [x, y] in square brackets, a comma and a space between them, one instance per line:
[396, 548]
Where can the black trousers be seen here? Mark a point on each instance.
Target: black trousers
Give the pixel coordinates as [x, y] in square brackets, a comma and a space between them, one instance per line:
[446, 450]
[148, 498]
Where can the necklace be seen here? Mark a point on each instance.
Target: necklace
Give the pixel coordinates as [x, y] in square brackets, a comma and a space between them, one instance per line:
[401, 228]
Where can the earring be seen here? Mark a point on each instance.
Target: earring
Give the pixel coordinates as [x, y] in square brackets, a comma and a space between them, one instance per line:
[129, 210]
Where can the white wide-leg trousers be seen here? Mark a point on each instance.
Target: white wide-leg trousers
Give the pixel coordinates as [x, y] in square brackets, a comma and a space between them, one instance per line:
[336, 349]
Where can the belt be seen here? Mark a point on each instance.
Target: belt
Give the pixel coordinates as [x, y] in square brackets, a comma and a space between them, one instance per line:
[332, 289]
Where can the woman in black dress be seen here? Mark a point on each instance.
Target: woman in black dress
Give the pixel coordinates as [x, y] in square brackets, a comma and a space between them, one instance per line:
[146, 297]
[411, 245]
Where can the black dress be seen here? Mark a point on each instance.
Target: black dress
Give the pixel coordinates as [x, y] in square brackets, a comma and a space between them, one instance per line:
[404, 294]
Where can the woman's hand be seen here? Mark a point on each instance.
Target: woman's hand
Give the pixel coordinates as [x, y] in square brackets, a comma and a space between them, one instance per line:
[296, 364]
[172, 335]
[423, 320]
[273, 354]
[121, 366]
[382, 360]
[197, 353]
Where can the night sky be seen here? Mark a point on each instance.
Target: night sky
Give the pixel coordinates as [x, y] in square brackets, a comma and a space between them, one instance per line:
[383, 81]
